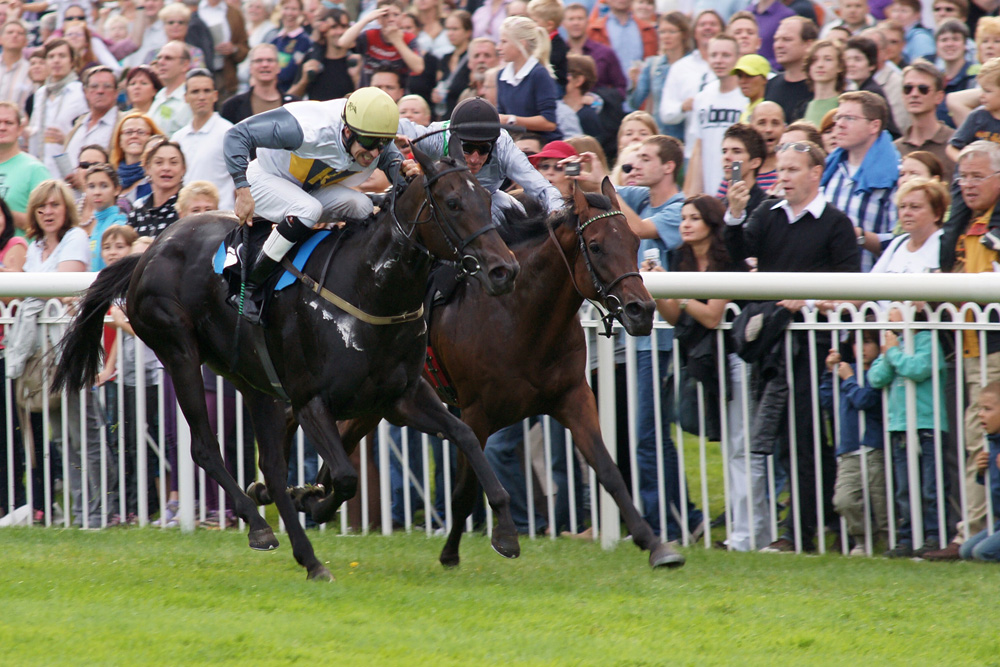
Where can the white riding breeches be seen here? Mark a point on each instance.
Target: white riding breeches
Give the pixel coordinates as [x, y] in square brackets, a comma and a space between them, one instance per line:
[276, 198]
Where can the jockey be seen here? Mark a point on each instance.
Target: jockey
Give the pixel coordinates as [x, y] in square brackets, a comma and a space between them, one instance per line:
[490, 153]
[308, 156]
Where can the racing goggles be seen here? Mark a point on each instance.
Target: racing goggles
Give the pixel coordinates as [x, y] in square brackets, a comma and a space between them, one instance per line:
[484, 148]
[370, 143]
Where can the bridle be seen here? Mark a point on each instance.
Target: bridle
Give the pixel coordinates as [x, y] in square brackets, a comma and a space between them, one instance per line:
[612, 304]
[467, 263]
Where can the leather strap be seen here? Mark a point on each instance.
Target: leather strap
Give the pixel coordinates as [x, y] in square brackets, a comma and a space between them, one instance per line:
[347, 307]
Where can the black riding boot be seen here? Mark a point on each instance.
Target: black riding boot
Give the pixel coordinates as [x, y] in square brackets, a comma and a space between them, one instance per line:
[288, 232]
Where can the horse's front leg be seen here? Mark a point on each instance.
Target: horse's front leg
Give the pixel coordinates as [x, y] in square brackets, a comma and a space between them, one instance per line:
[578, 413]
[425, 412]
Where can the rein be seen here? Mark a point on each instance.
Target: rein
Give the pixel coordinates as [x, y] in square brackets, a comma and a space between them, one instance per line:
[611, 303]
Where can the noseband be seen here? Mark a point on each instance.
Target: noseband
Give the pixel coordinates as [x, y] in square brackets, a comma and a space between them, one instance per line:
[611, 303]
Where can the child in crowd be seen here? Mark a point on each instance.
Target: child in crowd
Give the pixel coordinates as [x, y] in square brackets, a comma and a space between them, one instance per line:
[385, 47]
[101, 192]
[853, 448]
[984, 546]
[895, 368]
[113, 248]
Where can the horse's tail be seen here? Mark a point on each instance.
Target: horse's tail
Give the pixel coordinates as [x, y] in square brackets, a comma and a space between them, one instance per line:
[81, 352]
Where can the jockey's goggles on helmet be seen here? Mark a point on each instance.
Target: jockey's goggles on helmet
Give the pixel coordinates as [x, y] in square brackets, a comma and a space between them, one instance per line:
[484, 148]
[370, 143]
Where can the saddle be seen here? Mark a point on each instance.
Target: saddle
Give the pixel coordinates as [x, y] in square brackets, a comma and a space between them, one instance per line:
[233, 252]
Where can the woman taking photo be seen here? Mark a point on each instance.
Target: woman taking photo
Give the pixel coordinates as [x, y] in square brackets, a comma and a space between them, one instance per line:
[526, 88]
[826, 75]
[703, 249]
[647, 81]
[127, 143]
[165, 165]
[141, 86]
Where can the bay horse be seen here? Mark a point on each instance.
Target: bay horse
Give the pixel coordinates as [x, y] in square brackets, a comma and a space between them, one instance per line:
[534, 359]
[328, 363]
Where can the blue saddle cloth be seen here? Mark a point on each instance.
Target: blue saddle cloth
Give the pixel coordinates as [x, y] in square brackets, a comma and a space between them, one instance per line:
[302, 254]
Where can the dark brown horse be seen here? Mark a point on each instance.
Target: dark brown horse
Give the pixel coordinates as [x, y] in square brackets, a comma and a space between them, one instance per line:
[332, 365]
[524, 353]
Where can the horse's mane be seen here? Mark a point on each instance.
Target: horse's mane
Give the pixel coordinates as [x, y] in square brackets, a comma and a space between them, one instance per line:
[520, 229]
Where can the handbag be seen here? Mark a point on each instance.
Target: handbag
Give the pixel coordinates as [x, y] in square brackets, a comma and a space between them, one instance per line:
[29, 389]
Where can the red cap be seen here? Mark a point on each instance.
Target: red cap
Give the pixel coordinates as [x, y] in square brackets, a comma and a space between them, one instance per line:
[554, 149]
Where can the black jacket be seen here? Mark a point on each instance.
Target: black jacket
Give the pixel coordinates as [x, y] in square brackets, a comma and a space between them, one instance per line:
[238, 107]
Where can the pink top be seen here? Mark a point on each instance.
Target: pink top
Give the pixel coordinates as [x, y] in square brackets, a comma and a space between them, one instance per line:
[15, 241]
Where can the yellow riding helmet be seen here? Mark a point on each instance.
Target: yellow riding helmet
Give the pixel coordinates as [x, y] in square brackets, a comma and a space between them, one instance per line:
[371, 112]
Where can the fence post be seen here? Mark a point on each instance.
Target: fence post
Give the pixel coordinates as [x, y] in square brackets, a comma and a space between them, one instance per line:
[610, 520]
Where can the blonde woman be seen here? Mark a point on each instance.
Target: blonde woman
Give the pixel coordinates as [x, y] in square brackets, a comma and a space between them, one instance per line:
[197, 197]
[527, 94]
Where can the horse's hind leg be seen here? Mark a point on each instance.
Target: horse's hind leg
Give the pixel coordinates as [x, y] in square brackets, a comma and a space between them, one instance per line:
[425, 412]
[180, 357]
[579, 415]
[462, 501]
[270, 429]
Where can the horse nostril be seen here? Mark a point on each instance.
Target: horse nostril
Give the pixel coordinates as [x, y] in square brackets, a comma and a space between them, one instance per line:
[636, 310]
[499, 275]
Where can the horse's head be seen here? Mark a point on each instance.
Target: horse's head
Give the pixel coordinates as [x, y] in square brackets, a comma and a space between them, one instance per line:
[607, 267]
[460, 226]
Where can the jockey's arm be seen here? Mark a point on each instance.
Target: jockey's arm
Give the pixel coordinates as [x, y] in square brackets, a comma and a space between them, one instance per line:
[514, 164]
[273, 129]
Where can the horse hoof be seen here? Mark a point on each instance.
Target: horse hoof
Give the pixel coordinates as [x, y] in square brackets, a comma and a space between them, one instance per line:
[320, 574]
[300, 494]
[263, 539]
[258, 493]
[449, 561]
[507, 547]
[664, 556]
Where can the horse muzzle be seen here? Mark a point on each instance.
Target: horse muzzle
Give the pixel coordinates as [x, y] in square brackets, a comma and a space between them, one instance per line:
[498, 276]
[637, 317]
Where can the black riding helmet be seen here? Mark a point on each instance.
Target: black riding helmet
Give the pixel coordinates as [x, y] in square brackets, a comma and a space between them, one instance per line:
[475, 120]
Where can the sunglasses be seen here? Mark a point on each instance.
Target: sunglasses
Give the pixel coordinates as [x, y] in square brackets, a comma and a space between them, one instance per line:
[627, 168]
[483, 148]
[372, 143]
[797, 146]
[74, 18]
[88, 165]
[923, 88]
[551, 166]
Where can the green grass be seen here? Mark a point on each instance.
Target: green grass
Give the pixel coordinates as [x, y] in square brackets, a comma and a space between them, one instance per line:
[143, 596]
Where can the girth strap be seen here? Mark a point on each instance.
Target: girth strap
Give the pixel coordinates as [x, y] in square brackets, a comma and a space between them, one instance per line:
[347, 307]
[265, 360]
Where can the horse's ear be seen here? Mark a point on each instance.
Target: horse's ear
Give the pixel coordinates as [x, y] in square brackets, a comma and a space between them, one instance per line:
[580, 205]
[423, 159]
[608, 190]
[455, 150]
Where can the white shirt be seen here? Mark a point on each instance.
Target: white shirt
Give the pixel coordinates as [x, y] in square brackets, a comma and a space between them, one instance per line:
[100, 134]
[15, 84]
[816, 207]
[897, 258]
[75, 245]
[713, 113]
[153, 39]
[59, 112]
[170, 112]
[205, 158]
[686, 78]
[508, 75]
[215, 20]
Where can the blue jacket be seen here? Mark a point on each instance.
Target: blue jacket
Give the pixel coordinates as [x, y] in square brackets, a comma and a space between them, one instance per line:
[993, 440]
[854, 399]
[895, 367]
[879, 169]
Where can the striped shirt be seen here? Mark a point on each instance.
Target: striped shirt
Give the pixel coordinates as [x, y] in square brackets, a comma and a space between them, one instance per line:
[871, 210]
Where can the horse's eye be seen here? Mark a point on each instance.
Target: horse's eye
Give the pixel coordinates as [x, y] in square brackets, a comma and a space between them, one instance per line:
[453, 204]
[595, 247]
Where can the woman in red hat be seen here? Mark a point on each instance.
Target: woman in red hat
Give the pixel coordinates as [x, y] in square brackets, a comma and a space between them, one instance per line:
[547, 163]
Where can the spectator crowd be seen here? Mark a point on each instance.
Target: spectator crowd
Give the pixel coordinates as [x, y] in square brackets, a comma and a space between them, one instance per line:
[780, 136]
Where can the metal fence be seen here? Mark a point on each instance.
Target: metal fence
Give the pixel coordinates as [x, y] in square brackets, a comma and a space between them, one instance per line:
[764, 488]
